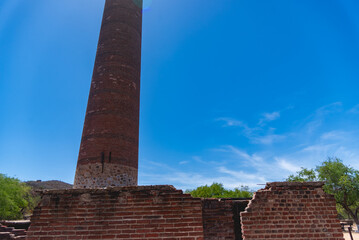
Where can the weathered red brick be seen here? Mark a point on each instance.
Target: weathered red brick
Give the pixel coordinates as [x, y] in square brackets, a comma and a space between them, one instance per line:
[294, 211]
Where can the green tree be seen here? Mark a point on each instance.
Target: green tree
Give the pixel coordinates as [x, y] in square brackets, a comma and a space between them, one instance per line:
[340, 180]
[15, 198]
[305, 175]
[216, 190]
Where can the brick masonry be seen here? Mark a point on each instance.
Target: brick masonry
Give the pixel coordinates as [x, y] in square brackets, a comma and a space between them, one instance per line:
[151, 212]
[295, 211]
[11, 233]
[291, 210]
[221, 219]
[108, 153]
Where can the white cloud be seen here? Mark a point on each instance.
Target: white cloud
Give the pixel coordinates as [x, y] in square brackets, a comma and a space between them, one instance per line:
[319, 152]
[183, 162]
[323, 148]
[271, 116]
[152, 173]
[230, 122]
[242, 175]
[355, 109]
[259, 134]
[312, 126]
[188, 180]
[268, 117]
[330, 108]
[259, 160]
[268, 139]
[333, 135]
[253, 159]
[198, 159]
[264, 169]
[286, 165]
[314, 122]
[151, 164]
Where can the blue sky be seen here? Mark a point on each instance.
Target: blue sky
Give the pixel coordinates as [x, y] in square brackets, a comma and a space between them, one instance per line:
[240, 92]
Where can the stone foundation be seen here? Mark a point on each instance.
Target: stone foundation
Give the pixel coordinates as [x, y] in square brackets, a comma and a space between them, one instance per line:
[106, 174]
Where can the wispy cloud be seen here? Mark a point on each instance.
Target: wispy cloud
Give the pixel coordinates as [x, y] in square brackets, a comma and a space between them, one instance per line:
[242, 175]
[190, 180]
[286, 165]
[242, 155]
[198, 159]
[333, 135]
[257, 135]
[7, 8]
[341, 148]
[259, 167]
[354, 110]
[310, 143]
[318, 148]
[312, 126]
[260, 159]
[330, 108]
[230, 122]
[268, 139]
[183, 162]
[268, 117]
[314, 121]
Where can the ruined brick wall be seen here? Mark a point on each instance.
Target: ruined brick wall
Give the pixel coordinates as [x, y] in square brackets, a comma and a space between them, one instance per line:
[152, 213]
[221, 219]
[218, 223]
[295, 211]
[11, 233]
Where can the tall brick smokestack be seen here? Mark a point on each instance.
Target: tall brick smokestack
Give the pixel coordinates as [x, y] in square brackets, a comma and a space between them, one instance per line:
[109, 146]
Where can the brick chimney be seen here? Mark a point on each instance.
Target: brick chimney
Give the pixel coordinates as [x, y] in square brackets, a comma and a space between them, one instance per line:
[109, 146]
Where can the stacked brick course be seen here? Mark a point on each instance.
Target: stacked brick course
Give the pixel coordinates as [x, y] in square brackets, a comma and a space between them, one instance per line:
[221, 219]
[291, 210]
[152, 213]
[11, 233]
